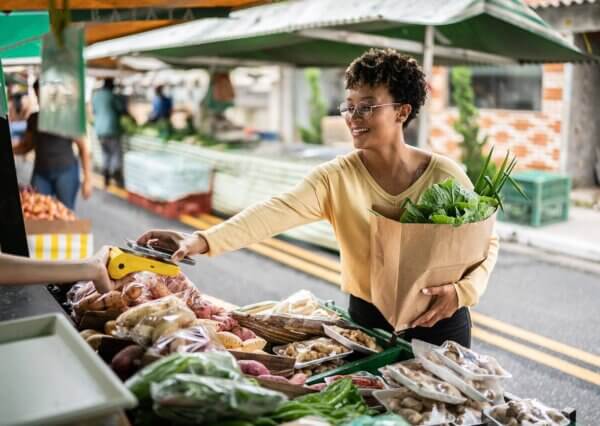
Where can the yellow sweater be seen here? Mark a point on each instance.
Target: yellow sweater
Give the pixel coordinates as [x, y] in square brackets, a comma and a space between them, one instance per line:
[342, 191]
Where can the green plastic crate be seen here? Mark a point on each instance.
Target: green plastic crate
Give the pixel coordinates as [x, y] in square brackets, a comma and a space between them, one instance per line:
[549, 199]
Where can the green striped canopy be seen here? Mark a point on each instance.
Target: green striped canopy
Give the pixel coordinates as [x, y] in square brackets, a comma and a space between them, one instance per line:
[21, 34]
[292, 32]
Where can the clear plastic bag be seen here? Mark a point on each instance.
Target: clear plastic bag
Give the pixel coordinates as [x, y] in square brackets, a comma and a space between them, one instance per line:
[196, 338]
[482, 392]
[202, 400]
[414, 376]
[303, 304]
[313, 351]
[148, 322]
[528, 412]
[469, 363]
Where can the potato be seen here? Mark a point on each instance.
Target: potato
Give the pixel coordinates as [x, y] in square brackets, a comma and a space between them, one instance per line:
[88, 333]
[110, 326]
[256, 344]
[95, 340]
[229, 340]
[126, 362]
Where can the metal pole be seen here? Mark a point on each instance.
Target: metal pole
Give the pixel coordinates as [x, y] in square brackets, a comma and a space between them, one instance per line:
[427, 69]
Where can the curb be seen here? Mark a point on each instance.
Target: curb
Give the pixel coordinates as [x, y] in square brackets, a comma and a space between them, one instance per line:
[545, 241]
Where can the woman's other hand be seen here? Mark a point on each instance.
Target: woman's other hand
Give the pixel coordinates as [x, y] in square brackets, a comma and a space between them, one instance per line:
[444, 305]
[98, 262]
[181, 244]
[86, 189]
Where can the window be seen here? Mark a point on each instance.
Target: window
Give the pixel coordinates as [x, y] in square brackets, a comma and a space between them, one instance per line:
[511, 87]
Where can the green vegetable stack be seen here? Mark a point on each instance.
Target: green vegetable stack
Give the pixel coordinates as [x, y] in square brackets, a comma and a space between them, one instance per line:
[450, 203]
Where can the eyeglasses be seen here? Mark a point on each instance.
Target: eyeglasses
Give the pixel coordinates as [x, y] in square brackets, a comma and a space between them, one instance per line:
[362, 110]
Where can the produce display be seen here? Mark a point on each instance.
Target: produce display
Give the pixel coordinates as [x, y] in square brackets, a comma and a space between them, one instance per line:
[526, 412]
[312, 350]
[172, 354]
[43, 207]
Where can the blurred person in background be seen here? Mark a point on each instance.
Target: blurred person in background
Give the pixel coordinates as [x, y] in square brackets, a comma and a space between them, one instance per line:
[108, 108]
[162, 106]
[56, 168]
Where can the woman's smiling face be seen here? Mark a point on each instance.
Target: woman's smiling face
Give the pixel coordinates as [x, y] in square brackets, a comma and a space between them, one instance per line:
[375, 126]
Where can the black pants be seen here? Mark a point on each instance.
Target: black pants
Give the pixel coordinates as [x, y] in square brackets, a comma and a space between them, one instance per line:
[456, 328]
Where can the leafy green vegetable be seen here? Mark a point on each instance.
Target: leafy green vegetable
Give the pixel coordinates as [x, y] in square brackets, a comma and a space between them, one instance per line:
[189, 398]
[339, 403]
[214, 364]
[449, 203]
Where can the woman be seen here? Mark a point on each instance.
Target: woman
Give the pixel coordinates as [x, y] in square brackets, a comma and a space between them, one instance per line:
[22, 270]
[55, 168]
[384, 92]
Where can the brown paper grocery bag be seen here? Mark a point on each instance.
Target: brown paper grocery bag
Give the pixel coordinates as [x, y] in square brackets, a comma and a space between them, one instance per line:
[407, 257]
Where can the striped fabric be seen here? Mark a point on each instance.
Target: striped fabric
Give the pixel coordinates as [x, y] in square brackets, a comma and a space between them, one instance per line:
[60, 246]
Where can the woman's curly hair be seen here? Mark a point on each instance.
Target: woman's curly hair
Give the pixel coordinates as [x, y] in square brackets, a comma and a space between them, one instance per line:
[400, 74]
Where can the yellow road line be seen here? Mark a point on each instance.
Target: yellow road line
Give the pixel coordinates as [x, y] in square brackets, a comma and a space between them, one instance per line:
[536, 339]
[537, 356]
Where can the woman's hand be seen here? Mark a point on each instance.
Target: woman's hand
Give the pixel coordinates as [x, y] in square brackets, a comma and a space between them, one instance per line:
[445, 304]
[86, 189]
[181, 244]
[98, 262]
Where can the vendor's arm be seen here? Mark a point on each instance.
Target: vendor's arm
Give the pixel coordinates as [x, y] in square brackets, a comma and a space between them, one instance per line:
[86, 165]
[23, 270]
[306, 203]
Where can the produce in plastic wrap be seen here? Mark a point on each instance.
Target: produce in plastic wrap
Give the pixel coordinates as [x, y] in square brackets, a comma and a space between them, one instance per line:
[302, 303]
[362, 380]
[321, 368]
[526, 412]
[414, 408]
[213, 364]
[464, 415]
[147, 323]
[481, 393]
[469, 363]
[338, 404]
[358, 336]
[195, 338]
[411, 374]
[190, 398]
[312, 350]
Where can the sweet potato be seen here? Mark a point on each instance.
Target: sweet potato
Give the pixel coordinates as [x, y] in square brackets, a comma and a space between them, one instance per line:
[229, 340]
[253, 368]
[126, 362]
[110, 300]
[272, 378]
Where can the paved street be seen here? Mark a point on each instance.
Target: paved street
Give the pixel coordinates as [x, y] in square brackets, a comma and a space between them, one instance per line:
[558, 302]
